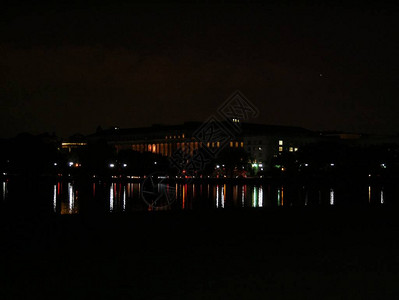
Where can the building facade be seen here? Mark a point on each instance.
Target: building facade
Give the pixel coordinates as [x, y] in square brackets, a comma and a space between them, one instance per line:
[261, 142]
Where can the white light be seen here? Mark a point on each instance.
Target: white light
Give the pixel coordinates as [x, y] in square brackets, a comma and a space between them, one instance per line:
[261, 165]
[4, 190]
[217, 166]
[55, 198]
[331, 197]
[111, 165]
[332, 165]
[111, 197]
[242, 196]
[124, 199]
[71, 198]
[306, 165]
[260, 202]
[124, 165]
[155, 162]
[55, 164]
[70, 164]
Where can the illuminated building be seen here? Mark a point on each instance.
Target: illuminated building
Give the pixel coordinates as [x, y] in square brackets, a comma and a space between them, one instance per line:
[262, 142]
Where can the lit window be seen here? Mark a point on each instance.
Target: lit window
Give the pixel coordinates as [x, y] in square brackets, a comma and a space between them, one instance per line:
[236, 144]
[218, 144]
[182, 136]
[280, 142]
[291, 149]
[280, 149]
[231, 144]
[295, 149]
[242, 144]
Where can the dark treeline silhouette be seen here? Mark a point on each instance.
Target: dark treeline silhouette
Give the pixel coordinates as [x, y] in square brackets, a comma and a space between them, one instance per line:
[340, 161]
[32, 155]
[27, 154]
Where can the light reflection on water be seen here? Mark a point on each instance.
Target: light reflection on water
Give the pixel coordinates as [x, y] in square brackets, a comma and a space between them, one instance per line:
[4, 190]
[65, 203]
[331, 196]
[111, 197]
[68, 198]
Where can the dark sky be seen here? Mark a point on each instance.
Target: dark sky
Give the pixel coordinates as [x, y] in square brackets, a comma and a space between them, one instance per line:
[68, 68]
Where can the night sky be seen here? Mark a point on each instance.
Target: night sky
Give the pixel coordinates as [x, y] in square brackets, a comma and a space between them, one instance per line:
[68, 68]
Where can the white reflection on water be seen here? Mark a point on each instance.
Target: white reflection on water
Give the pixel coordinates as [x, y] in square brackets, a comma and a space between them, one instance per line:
[71, 198]
[111, 197]
[278, 197]
[331, 197]
[220, 196]
[243, 195]
[55, 198]
[124, 199]
[382, 196]
[217, 196]
[255, 197]
[4, 190]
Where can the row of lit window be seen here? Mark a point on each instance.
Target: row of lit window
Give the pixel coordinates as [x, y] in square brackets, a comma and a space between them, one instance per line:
[290, 149]
[174, 136]
[167, 148]
[66, 145]
[237, 144]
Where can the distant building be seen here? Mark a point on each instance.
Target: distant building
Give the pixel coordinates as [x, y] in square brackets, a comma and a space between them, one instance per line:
[261, 142]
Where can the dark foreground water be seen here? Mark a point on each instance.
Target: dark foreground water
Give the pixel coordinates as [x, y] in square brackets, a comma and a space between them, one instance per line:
[195, 249]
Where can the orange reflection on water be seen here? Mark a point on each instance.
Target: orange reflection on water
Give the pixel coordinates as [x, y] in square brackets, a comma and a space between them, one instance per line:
[184, 196]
